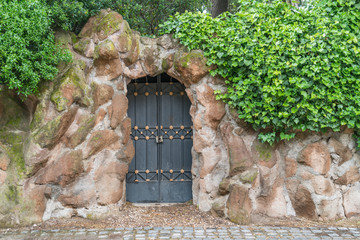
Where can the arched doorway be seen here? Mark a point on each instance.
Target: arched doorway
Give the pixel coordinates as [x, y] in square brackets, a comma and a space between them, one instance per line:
[162, 135]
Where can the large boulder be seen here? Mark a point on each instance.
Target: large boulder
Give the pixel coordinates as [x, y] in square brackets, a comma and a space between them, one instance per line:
[351, 176]
[69, 89]
[118, 110]
[343, 151]
[102, 94]
[351, 201]
[50, 134]
[317, 156]
[109, 181]
[323, 186]
[102, 25]
[79, 194]
[239, 205]
[63, 171]
[85, 123]
[301, 199]
[215, 109]
[99, 140]
[190, 67]
[239, 157]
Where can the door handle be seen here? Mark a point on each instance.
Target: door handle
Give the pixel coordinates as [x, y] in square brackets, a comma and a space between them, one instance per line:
[159, 139]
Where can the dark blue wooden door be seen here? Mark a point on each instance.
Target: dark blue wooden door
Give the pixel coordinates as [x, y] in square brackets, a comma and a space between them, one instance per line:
[162, 134]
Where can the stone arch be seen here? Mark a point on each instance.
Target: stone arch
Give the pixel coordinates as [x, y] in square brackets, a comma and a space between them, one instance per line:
[78, 139]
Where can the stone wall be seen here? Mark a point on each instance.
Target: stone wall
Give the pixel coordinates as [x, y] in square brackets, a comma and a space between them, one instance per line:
[70, 146]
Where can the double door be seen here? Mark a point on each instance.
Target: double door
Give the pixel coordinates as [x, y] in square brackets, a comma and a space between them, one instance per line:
[162, 135]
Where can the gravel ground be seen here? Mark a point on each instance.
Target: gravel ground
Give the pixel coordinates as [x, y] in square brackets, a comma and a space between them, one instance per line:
[178, 215]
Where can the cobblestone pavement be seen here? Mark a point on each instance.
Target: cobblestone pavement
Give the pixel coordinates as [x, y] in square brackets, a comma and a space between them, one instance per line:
[238, 232]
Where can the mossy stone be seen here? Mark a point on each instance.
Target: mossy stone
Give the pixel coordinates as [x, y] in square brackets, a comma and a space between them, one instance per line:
[46, 135]
[69, 89]
[79, 136]
[81, 45]
[12, 113]
[106, 50]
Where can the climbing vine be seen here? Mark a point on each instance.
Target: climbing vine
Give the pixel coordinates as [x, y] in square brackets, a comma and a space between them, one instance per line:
[286, 68]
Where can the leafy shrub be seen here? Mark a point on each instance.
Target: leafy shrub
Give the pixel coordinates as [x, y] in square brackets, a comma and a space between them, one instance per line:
[72, 15]
[142, 15]
[285, 68]
[27, 48]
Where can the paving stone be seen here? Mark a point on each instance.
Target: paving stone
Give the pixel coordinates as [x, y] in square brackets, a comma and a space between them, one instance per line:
[241, 232]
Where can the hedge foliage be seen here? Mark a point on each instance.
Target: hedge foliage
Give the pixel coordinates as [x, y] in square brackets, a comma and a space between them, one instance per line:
[286, 68]
[28, 53]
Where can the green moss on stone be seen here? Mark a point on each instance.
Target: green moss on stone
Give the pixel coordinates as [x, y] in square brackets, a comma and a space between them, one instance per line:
[107, 47]
[188, 58]
[248, 176]
[109, 24]
[13, 144]
[73, 79]
[265, 151]
[45, 135]
[63, 39]
[79, 136]
[81, 45]
[165, 65]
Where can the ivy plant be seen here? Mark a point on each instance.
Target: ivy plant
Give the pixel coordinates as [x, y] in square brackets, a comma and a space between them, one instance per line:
[28, 53]
[286, 68]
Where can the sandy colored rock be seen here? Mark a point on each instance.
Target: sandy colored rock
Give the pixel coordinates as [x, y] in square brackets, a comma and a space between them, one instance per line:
[125, 129]
[102, 94]
[290, 166]
[49, 135]
[264, 154]
[191, 67]
[215, 109]
[239, 205]
[152, 61]
[124, 39]
[119, 109]
[102, 25]
[208, 159]
[343, 151]
[110, 190]
[109, 182]
[301, 200]
[106, 50]
[127, 153]
[134, 71]
[203, 138]
[323, 186]
[317, 156]
[63, 171]
[78, 195]
[100, 116]
[224, 187]
[35, 195]
[70, 89]
[85, 47]
[108, 69]
[273, 205]
[351, 176]
[329, 209]
[133, 55]
[167, 42]
[239, 157]
[248, 176]
[99, 140]
[85, 126]
[351, 201]
[4, 160]
[3, 176]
